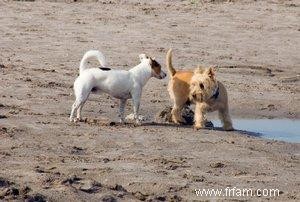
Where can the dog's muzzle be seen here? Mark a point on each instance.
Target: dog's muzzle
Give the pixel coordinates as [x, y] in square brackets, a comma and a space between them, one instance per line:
[162, 75]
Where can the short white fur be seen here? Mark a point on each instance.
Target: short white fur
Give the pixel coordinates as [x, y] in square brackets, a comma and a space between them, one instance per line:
[120, 84]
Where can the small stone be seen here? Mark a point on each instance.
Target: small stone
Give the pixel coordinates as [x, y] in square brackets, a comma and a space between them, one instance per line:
[112, 123]
[209, 124]
[108, 198]
[173, 167]
[106, 160]
[36, 198]
[176, 198]
[12, 191]
[71, 180]
[119, 188]
[161, 198]
[198, 178]
[90, 186]
[4, 182]
[271, 107]
[140, 196]
[217, 165]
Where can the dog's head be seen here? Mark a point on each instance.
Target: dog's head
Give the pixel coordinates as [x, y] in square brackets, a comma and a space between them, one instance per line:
[203, 85]
[156, 70]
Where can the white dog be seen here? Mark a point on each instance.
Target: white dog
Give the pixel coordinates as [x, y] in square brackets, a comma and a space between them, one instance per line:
[120, 84]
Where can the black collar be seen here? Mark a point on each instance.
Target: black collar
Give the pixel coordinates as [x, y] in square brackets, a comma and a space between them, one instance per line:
[216, 94]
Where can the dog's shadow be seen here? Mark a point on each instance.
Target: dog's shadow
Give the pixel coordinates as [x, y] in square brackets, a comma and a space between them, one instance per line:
[166, 124]
[242, 132]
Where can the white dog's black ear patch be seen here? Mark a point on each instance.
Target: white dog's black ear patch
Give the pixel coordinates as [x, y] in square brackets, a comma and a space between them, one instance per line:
[105, 68]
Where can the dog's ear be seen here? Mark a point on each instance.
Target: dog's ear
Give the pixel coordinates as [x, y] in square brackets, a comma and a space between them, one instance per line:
[143, 56]
[152, 60]
[211, 72]
[199, 70]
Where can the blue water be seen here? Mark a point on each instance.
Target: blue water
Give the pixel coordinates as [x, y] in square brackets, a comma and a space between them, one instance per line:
[277, 129]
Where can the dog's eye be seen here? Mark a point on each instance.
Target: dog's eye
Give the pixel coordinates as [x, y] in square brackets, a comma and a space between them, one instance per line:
[201, 86]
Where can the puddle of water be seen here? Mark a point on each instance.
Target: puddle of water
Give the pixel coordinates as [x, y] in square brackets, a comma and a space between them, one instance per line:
[277, 129]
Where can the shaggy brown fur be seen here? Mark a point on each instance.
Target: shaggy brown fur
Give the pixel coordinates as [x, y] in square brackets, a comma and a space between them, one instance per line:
[200, 87]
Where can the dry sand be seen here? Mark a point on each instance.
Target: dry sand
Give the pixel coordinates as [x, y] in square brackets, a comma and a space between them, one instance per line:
[44, 157]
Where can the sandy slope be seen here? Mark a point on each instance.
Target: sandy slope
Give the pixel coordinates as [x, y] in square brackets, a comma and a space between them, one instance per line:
[254, 44]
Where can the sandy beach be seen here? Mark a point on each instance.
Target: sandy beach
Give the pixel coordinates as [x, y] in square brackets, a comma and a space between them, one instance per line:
[43, 157]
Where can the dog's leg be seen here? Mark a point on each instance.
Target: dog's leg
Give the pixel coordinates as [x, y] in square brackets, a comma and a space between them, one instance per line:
[79, 112]
[122, 109]
[176, 114]
[81, 98]
[136, 96]
[225, 119]
[200, 119]
[79, 118]
[176, 111]
[74, 108]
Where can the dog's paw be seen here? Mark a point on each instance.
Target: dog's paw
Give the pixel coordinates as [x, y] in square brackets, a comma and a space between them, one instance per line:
[137, 123]
[76, 120]
[72, 119]
[178, 122]
[81, 120]
[198, 126]
[131, 117]
[122, 121]
[228, 128]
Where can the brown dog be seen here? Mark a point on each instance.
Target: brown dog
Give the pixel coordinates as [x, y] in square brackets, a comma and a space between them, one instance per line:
[200, 87]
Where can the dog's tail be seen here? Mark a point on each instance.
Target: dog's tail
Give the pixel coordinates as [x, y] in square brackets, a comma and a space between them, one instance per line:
[171, 69]
[91, 54]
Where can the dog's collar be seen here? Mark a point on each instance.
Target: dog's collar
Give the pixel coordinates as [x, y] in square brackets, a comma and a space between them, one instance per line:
[216, 93]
